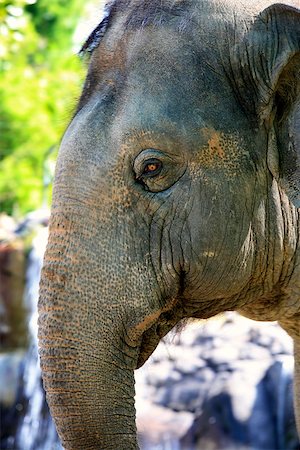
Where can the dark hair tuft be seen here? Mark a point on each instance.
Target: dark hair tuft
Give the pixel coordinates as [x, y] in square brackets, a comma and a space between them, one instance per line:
[97, 34]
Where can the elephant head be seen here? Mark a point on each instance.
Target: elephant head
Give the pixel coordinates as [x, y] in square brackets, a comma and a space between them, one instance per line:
[173, 198]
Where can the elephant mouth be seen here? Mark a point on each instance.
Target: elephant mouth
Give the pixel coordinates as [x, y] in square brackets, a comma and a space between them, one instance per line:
[151, 336]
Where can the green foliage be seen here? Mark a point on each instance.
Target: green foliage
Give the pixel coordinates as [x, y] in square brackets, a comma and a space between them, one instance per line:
[40, 79]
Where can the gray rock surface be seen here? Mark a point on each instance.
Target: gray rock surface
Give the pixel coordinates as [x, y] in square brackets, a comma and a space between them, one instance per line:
[227, 382]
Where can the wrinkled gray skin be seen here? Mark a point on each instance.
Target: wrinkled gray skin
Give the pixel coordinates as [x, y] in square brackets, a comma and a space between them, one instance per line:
[176, 195]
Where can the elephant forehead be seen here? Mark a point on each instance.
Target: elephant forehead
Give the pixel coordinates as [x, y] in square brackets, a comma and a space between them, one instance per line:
[167, 90]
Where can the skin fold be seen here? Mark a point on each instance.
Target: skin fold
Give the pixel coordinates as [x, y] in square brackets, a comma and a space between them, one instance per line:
[176, 196]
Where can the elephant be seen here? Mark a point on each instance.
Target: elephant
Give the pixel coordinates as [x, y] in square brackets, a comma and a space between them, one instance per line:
[176, 196]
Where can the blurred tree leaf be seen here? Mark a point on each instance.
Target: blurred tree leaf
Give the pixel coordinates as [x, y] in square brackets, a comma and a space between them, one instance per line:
[40, 80]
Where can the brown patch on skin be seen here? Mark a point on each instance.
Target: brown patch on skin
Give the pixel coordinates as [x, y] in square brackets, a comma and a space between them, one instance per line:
[222, 152]
[135, 334]
[13, 333]
[148, 333]
[215, 146]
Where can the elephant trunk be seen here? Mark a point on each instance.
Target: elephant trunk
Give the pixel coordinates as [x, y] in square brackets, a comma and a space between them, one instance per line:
[297, 380]
[86, 364]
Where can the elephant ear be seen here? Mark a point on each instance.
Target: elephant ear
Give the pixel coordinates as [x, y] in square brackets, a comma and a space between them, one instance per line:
[268, 84]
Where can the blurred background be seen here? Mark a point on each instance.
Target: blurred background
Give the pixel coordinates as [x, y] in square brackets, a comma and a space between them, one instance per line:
[40, 81]
[222, 384]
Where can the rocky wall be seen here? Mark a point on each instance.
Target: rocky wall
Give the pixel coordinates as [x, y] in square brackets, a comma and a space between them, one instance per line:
[226, 383]
[13, 314]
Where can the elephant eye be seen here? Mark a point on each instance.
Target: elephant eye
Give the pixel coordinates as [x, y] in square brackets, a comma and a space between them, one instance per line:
[155, 170]
[152, 167]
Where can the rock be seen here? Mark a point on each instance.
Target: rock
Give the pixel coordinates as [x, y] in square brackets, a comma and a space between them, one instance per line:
[10, 372]
[255, 352]
[268, 338]
[158, 425]
[162, 374]
[164, 351]
[235, 377]
[189, 363]
[13, 314]
[221, 355]
[279, 386]
[188, 395]
[7, 227]
[12, 402]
